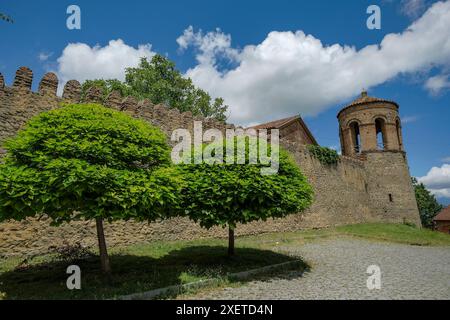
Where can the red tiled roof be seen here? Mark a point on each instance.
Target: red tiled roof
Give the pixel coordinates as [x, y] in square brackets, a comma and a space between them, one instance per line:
[277, 124]
[444, 215]
[365, 99]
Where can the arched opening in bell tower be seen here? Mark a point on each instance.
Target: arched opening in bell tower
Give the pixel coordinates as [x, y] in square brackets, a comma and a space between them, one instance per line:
[356, 137]
[380, 126]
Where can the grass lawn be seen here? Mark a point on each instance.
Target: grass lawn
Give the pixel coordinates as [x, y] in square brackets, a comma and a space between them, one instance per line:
[396, 233]
[144, 267]
[136, 268]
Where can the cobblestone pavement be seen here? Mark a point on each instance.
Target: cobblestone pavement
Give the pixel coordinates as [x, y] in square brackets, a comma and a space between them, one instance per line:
[338, 271]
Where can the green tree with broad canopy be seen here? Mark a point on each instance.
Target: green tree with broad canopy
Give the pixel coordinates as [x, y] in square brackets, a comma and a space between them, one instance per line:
[224, 194]
[427, 204]
[105, 86]
[88, 162]
[159, 81]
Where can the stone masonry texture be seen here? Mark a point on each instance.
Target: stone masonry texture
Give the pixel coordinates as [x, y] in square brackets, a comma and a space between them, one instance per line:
[375, 189]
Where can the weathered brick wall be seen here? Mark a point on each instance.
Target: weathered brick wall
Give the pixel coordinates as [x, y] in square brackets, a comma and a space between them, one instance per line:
[295, 133]
[18, 103]
[340, 198]
[342, 192]
[390, 189]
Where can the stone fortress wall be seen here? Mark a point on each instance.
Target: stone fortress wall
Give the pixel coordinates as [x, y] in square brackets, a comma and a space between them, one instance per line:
[353, 191]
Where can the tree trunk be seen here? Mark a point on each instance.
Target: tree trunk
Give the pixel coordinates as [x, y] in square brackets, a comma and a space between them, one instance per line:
[106, 267]
[230, 241]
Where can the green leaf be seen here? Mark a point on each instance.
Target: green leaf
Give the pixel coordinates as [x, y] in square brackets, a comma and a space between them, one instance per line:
[89, 159]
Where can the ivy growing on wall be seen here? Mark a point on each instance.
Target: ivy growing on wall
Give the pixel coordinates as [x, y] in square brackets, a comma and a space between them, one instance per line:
[323, 154]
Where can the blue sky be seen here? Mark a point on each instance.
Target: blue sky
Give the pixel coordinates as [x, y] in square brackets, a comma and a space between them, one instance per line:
[261, 60]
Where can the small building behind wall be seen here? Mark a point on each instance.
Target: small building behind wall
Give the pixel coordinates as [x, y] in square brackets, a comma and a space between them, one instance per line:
[292, 129]
[442, 221]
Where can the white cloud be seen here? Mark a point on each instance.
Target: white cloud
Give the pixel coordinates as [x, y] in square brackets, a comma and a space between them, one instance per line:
[291, 72]
[437, 84]
[212, 45]
[437, 181]
[441, 193]
[413, 8]
[43, 56]
[79, 61]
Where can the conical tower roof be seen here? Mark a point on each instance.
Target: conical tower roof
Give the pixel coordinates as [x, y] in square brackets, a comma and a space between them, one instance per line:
[364, 98]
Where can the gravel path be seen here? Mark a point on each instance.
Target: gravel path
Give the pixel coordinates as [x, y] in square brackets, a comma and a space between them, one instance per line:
[338, 271]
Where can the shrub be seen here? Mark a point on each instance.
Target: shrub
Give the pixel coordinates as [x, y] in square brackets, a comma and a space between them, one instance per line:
[70, 253]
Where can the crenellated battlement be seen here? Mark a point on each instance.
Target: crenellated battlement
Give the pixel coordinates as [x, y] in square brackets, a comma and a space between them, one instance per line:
[48, 84]
[72, 91]
[18, 103]
[23, 79]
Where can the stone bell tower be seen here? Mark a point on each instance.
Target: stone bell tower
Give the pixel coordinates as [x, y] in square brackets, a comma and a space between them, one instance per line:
[370, 124]
[370, 129]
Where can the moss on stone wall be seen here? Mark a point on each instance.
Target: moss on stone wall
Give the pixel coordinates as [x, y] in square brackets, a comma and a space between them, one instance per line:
[325, 155]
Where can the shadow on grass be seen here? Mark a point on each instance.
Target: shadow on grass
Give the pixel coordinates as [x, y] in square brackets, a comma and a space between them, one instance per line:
[133, 273]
